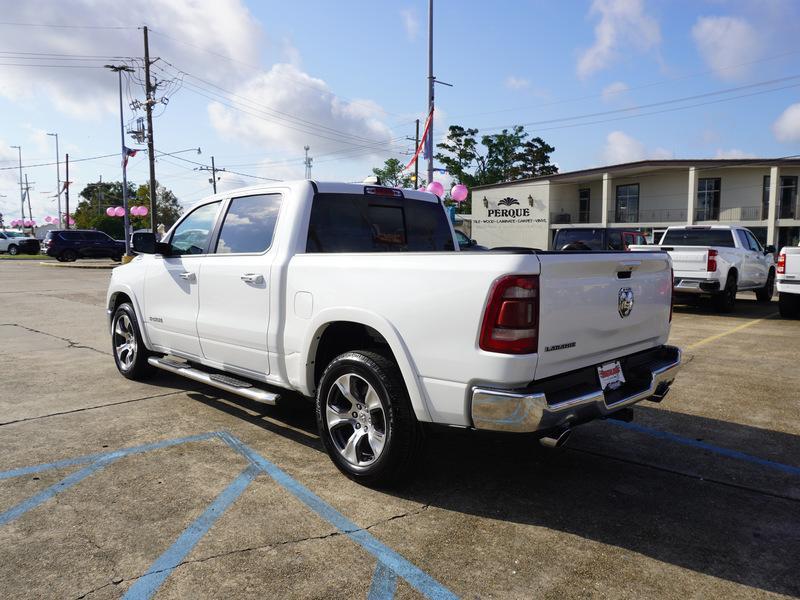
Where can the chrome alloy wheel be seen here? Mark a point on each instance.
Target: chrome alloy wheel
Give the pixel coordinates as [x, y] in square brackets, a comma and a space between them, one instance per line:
[356, 420]
[124, 341]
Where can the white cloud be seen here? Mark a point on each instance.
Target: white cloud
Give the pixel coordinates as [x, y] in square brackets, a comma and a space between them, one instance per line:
[85, 92]
[613, 91]
[285, 89]
[787, 127]
[516, 83]
[726, 44]
[622, 148]
[410, 22]
[623, 24]
[733, 153]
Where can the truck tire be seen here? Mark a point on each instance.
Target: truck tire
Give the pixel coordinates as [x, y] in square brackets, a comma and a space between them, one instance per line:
[127, 345]
[68, 256]
[789, 305]
[725, 301]
[365, 419]
[13, 250]
[765, 294]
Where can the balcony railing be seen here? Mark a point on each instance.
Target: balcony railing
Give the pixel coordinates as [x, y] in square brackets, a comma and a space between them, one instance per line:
[648, 215]
[738, 213]
[581, 216]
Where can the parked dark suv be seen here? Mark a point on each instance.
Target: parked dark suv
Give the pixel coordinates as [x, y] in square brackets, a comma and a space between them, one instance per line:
[596, 238]
[70, 245]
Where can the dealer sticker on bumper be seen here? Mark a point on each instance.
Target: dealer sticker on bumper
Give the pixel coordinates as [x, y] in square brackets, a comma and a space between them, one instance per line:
[611, 376]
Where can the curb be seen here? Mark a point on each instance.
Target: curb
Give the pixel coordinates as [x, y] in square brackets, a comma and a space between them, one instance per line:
[77, 266]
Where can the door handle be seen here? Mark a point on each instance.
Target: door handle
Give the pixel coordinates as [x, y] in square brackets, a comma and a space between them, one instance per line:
[188, 276]
[252, 278]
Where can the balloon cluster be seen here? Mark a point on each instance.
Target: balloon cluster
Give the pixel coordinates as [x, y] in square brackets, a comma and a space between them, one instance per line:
[119, 211]
[459, 192]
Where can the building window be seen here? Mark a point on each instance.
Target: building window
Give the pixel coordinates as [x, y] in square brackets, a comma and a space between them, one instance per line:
[787, 198]
[627, 209]
[584, 205]
[708, 196]
[765, 199]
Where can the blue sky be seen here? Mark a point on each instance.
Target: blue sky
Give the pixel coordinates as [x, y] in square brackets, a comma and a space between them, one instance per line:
[262, 79]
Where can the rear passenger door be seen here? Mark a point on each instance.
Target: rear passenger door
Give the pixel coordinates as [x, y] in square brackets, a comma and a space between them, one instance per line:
[761, 261]
[234, 286]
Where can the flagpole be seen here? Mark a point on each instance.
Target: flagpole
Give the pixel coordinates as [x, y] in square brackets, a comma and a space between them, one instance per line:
[124, 154]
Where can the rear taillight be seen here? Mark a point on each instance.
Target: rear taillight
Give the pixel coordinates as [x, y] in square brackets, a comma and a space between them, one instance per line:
[511, 321]
[671, 292]
[712, 261]
[782, 264]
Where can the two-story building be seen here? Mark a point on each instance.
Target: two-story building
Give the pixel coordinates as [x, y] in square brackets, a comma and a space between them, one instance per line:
[648, 195]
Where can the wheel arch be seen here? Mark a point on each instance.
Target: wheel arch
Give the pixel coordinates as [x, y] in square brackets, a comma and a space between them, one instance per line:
[119, 295]
[333, 332]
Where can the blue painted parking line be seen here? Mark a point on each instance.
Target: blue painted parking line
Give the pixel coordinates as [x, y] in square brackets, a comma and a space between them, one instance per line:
[162, 568]
[664, 435]
[90, 458]
[66, 483]
[384, 583]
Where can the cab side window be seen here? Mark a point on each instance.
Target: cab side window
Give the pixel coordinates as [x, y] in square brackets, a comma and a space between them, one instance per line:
[191, 236]
[755, 246]
[249, 224]
[614, 240]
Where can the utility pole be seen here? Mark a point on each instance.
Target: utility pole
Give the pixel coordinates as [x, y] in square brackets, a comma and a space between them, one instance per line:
[66, 195]
[118, 69]
[148, 107]
[308, 162]
[28, 196]
[213, 170]
[429, 138]
[21, 193]
[58, 177]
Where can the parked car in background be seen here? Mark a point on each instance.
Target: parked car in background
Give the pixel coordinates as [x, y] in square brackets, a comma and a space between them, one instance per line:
[466, 243]
[15, 243]
[358, 296]
[718, 261]
[70, 245]
[596, 238]
[788, 280]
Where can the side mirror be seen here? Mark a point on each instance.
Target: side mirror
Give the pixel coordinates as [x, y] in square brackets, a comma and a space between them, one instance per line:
[769, 249]
[144, 242]
[473, 243]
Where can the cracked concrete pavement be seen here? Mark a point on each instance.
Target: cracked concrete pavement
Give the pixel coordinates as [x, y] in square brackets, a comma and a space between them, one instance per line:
[618, 514]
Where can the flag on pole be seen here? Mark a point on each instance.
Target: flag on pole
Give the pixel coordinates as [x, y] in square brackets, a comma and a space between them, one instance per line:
[424, 143]
[128, 152]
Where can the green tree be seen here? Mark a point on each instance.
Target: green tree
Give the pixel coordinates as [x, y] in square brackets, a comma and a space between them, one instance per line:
[167, 206]
[95, 199]
[391, 174]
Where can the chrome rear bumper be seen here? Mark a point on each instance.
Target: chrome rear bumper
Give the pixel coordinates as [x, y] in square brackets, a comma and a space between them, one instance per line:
[527, 411]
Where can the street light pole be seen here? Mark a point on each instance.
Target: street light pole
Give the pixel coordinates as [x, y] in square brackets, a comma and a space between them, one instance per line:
[431, 79]
[118, 69]
[58, 178]
[21, 192]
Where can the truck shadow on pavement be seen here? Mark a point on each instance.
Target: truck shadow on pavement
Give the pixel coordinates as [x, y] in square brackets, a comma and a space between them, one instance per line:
[746, 308]
[710, 514]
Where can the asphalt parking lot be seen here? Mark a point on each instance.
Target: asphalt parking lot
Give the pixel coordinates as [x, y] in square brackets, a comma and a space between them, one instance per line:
[110, 488]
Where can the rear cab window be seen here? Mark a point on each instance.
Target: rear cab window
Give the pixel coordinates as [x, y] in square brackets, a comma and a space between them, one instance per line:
[580, 239]
[376, 223]
[698, 237]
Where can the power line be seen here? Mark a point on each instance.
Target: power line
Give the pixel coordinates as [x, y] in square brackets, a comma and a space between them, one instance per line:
[54, 26]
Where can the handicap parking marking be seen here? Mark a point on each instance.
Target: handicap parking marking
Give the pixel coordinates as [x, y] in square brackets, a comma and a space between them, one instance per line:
[727, 452]
[390, 564]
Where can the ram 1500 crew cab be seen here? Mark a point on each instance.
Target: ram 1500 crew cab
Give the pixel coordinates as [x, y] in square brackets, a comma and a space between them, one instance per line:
[717, 262]
[789, 282]
[357, 296]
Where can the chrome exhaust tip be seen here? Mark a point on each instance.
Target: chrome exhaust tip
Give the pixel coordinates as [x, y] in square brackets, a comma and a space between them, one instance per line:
[557, 439]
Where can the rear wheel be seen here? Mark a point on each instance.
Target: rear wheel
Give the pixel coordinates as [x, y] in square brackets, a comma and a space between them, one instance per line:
[789, 305]
[365, 418]
[765, 294]
[68, 256]
[725, 301]
[130, 353]
[13, 250]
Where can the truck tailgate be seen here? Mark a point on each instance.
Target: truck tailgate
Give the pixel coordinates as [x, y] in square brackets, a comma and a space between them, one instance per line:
[688, 258]
[582, 318]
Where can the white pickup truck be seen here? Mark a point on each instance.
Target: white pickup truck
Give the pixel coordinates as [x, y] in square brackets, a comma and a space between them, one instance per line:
[357, 296]
[789, 282]
[718, 261]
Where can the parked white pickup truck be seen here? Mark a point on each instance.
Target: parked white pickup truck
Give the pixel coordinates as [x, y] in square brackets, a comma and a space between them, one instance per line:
[789, 282]
[357, 296]
[718, 261]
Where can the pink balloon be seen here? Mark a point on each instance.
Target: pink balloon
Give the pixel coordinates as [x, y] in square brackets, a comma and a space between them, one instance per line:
[71, 221]
[27, 222]
[434, 187]
[459, 192]
[143, 211]
[119, 211]
[110, 211]
[48, 219]
[134, 211]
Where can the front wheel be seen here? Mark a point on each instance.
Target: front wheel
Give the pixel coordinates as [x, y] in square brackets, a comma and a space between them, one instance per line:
[13, 250]
[765, 294]
[789, 305]
[129, 350]
[365, 419]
